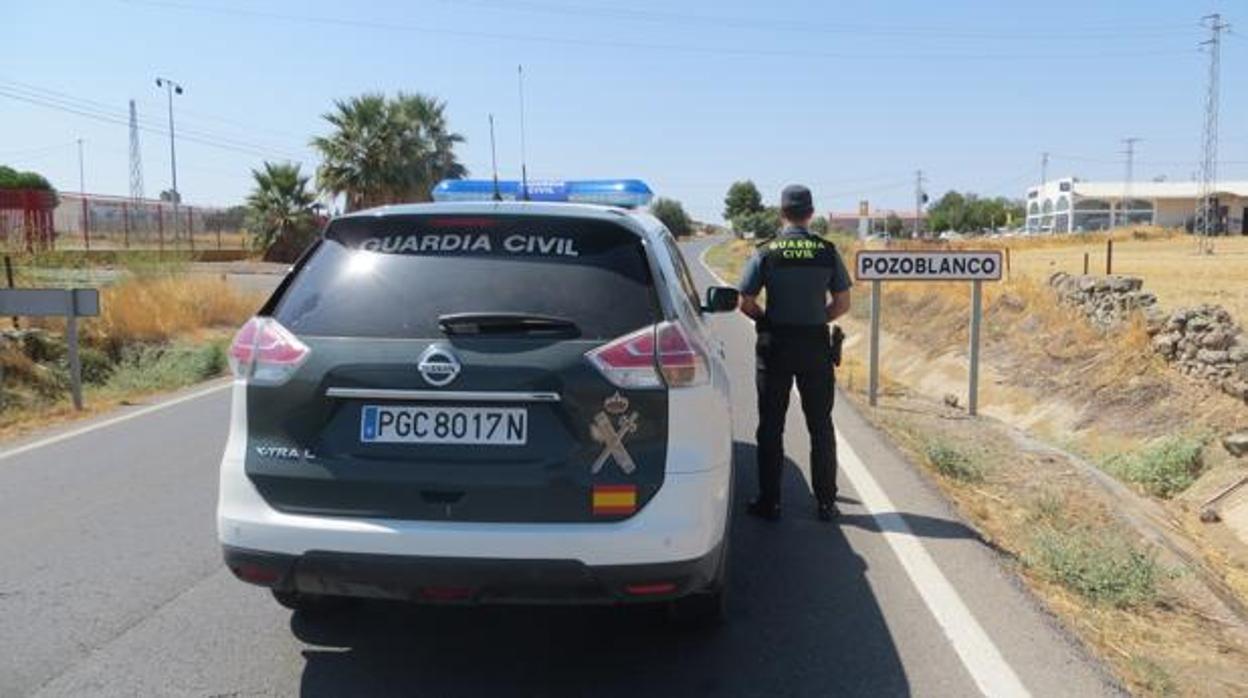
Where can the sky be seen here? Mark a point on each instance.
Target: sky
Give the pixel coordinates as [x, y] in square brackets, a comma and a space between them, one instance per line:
[848, 98]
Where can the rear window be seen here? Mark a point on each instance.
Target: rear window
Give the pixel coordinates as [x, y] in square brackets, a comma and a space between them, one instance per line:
[394, 276]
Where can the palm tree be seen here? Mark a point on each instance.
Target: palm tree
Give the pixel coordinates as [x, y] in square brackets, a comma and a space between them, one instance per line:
[426, 119]
[280, 208]
[386, 151]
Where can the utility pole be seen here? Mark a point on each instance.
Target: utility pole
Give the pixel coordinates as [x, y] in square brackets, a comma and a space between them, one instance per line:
[1207, 207]
[172, 88]
[1044, 168]
[136, 157]
[919, 201]
[1124, 209]
[82, 178]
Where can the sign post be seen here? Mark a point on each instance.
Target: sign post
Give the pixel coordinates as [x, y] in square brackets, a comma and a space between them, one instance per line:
[972, 398]
[874, 380]
[976, 266]
[70, 304]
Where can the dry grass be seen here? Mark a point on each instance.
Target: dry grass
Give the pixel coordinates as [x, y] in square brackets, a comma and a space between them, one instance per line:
[1167, 260]
[1169, 264]
[162, 308]
[156, 332]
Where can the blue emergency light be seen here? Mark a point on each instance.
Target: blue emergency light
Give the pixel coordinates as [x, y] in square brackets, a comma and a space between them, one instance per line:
[626, 193]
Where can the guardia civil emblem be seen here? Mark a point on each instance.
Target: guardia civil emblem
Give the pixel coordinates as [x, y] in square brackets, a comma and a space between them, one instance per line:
[610, 428]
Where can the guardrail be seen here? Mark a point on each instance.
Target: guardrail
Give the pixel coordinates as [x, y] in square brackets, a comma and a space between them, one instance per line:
[69, 303]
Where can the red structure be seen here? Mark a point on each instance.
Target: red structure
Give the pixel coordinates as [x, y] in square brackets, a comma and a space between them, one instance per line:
[26, 219]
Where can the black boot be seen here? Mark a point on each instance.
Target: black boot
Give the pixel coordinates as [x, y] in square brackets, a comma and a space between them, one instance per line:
[828, 511]
[763, 509]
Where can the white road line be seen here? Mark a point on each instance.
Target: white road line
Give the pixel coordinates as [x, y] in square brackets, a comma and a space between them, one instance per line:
[979, 655]
[73, 433]
[982, 659]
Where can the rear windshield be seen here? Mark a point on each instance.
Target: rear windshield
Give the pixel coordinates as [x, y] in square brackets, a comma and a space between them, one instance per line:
[394, 276]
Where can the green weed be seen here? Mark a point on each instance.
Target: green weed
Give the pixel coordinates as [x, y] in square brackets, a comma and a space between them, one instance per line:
[1163, 469]
[1106, 569]
[954, 463]
[151, 368]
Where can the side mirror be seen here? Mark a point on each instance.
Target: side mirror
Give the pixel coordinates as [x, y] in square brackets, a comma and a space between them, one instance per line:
[721, 299]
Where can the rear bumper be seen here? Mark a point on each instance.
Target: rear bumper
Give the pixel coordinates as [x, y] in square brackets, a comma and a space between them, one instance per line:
[468, 580]
[686, 519]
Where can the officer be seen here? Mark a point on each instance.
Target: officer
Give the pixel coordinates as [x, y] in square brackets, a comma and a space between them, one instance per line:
[807, 287]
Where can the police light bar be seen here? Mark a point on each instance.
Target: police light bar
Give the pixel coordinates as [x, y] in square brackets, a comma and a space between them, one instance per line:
[626, 193]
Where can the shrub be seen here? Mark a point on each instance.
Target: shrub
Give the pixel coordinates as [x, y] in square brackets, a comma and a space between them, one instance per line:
[954, 463]
[148, 368]
[672, 214]
[763, 224]
[1164, 469]
[1104, 569]
[96, 365]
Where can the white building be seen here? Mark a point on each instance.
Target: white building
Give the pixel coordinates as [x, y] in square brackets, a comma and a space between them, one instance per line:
[1072, 206]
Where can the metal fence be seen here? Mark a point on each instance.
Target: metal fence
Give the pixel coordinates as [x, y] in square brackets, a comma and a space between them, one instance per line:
[94, 222]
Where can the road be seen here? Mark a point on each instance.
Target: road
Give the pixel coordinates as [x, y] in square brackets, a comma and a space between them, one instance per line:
[111, 584]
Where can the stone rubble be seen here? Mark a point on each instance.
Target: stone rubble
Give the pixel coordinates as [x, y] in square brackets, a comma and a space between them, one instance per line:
[1202, 341]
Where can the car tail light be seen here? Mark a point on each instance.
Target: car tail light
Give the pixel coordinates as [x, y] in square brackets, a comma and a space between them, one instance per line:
[629, 362]
[653, 589]
[256, 573]
[680, 361]
[266, 353]
[651, 357]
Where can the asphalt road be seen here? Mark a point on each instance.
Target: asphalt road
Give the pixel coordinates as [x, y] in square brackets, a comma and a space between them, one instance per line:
[111, 584]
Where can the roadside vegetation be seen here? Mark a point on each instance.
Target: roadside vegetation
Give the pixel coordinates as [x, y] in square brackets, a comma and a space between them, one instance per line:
[1156, 617]
[954, 463]
[1163, 469]
[166, 325]
[160, 328]
[673, 216]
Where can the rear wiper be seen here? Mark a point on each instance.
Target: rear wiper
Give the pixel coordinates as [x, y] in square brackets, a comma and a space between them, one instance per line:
[507, 323]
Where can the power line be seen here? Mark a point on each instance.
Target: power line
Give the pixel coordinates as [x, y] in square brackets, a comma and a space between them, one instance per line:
[1111, 29]
[112, 117]
[96, 106]
[35, 151]
[601, 42]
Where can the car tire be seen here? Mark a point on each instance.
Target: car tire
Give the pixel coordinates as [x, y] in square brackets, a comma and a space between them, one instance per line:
[307, 603]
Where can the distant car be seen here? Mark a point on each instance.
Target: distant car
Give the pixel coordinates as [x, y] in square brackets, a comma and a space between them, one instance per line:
[468, 402]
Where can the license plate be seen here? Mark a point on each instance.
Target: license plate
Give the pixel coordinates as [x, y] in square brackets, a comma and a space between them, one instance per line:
[472, 426]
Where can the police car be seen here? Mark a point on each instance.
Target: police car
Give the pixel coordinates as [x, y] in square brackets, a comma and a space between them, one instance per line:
[484, 402]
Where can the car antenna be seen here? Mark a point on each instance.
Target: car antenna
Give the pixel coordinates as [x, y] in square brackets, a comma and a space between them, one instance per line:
[494, 160]
[524, 173]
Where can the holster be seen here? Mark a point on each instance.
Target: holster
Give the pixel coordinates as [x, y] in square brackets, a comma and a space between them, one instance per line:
[838, 339]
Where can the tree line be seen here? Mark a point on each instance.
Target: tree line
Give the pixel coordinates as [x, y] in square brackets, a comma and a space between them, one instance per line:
[962, 212]
[969, 213]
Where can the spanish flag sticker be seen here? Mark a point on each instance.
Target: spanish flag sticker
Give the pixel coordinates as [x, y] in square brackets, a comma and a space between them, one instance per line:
[614, 500]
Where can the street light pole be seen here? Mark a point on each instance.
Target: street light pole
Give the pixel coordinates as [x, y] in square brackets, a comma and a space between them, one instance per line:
[171, 88]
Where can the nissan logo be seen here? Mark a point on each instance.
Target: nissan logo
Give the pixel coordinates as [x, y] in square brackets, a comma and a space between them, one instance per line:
[438, 365]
